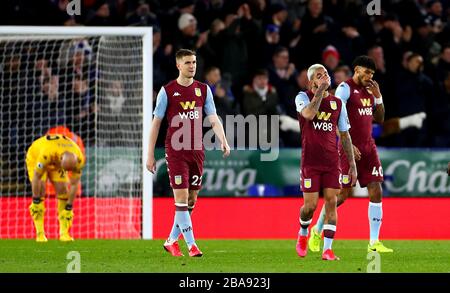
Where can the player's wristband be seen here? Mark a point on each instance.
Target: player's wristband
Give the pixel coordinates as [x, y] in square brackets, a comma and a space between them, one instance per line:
[379, 100]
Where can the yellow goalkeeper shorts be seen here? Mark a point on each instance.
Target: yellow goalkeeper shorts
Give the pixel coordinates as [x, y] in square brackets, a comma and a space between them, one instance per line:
[54, 174]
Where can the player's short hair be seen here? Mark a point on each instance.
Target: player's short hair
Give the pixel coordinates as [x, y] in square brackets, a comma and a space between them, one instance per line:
[312, 69]
[364, 61]
[183, 53]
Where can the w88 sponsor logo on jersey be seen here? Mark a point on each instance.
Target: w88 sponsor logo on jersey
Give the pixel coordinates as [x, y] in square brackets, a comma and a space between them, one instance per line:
[323, 125]
[189, 115]
[193, 114]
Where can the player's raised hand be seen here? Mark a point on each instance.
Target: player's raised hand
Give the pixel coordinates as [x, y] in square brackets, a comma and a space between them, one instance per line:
[151, 164]
[357, 153]
[353, 174]
[374, 88]
[225, 149]
[324, 82]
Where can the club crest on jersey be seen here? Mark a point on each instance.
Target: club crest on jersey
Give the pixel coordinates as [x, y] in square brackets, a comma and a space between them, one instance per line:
[198, 92]
[345, 179]
[333, 105]
[307, 183]
[178, 179]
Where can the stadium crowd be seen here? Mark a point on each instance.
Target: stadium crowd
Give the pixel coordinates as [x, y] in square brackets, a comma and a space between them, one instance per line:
[254, 54]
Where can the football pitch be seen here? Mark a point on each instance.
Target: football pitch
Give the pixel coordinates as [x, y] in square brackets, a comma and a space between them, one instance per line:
[220, 256]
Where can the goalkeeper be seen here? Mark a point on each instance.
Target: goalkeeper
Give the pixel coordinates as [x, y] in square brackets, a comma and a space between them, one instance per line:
[52, 156]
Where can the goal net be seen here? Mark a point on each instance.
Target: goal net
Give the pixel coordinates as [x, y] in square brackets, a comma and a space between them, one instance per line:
[92, 86]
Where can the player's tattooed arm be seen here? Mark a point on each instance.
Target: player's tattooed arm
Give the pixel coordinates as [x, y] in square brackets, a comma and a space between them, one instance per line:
[310, 111]
[347, 145]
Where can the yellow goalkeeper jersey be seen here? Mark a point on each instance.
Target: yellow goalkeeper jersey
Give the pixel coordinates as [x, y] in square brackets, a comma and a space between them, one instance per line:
[44, 155]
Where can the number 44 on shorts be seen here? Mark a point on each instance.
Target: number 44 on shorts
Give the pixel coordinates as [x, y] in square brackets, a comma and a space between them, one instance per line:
[378, 172]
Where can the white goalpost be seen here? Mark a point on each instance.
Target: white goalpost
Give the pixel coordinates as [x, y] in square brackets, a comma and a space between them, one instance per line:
[97, 83]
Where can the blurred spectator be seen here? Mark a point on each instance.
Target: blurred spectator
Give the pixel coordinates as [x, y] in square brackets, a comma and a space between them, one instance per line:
[221, 90]
[223, 97]
[143, 16]
[101, 15]
[315, 32]
[434, 17]
[414, 91]
[170, 12]
[301, 84]
[340, 74]
[57, 13]
[14, 116]
[282, 75]
[114, 98]
[405, 58]
[392, 37]
[162, 60]
[440, 131]
[385, 81]
[376, 52]
[260, 98]
[252, 32]
[330, 59]
[239, 42]
[443, 65]
[213, 49]
[423, 42]
[190, 38]
[271, 42]
[302, 80]
[288, 31]
[81, 107]
[47, 108]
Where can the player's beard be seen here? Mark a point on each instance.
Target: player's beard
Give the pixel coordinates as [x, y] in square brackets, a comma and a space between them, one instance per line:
[361, 81]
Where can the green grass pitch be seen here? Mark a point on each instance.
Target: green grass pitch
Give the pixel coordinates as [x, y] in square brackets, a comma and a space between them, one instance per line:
[227, 256]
